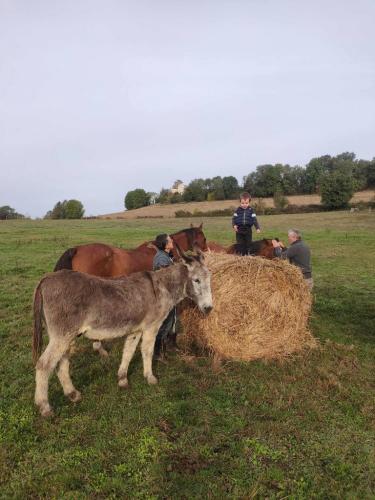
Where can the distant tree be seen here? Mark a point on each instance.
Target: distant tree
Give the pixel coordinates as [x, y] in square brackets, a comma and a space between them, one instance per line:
[266, 180]
[163, 196]
[336, 188]
[315, 169]
[175, 198]
[7, 212]
[249, 183]
[230, 187]
[346, 156]
[73, 209]
[371, 174]
[136, 199]
[58, 211]
[360, 174]
[292, 179]
[195, 191]
[217, 188]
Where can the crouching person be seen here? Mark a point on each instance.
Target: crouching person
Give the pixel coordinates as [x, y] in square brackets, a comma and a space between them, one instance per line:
[167, 331]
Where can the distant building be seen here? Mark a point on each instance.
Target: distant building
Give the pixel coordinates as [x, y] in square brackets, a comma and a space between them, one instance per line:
[178, 187]
[153, 197]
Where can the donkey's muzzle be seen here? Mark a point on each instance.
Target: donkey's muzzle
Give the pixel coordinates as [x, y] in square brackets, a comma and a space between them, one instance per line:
[207, 309]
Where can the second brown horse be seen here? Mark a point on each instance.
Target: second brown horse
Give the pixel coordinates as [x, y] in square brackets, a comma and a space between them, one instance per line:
[260, 248]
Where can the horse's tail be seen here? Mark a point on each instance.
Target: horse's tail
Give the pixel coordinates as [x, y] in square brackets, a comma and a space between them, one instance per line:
[38, 317]
[65, 261]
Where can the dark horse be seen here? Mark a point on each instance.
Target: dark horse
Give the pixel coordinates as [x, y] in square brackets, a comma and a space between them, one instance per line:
[260, 248]
[104, 260]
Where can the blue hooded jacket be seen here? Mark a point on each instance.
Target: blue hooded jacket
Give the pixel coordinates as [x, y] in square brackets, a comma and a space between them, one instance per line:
[245, 217]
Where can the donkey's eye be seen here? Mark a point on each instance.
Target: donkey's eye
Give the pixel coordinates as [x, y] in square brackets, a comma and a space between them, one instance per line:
[197, 281]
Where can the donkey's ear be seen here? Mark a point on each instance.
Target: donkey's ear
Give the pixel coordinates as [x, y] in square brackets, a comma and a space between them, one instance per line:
[199, 254]
[200, 227]
[191, 225]
[182, 254]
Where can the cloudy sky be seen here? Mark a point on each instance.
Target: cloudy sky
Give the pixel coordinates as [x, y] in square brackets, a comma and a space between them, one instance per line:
[101, 97]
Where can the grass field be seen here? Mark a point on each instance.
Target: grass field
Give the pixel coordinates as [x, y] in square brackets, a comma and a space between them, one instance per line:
[299, 429]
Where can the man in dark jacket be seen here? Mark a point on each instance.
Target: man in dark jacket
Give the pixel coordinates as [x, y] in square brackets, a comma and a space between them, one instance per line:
[298, 254]
[242, 221]
[163, 258]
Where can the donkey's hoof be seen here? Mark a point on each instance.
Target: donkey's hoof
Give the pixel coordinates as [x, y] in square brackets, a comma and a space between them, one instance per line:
[46, 411]
[152, 380]
[75, 396]
[123, 382]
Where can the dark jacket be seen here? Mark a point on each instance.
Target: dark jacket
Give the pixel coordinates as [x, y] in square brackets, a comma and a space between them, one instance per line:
[298, 254]
[245, 218]
[161, 259]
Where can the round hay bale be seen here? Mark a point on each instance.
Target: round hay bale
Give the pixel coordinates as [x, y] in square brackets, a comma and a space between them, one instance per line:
[261, 310]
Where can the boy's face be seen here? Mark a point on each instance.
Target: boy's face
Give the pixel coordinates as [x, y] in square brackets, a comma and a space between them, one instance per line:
[244, 202]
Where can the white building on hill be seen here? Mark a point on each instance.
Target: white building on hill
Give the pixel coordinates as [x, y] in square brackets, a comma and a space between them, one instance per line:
[178, 187]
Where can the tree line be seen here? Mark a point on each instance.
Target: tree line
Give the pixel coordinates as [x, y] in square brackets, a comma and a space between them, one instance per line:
[335, 178]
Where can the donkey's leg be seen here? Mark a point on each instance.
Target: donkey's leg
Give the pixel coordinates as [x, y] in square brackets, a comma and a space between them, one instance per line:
[64, 376]
[148, 342]
[130, 346]
[44, 367]
[98, 346]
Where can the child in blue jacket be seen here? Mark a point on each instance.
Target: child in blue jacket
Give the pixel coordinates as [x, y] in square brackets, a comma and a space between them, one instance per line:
[243, 220]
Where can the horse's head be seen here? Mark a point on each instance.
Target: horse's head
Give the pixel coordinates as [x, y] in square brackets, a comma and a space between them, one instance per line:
[266, 249]
[199, 237]
[198, 285]
[190, 239]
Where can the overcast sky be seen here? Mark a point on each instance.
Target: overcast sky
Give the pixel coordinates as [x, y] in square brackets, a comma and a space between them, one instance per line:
[101, 97]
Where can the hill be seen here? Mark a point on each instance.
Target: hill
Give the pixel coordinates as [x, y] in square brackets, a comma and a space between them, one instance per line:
[206, 206]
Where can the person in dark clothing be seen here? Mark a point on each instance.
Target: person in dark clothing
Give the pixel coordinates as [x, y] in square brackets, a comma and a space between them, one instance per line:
[163, 258]
[242, 221]
[298, 254]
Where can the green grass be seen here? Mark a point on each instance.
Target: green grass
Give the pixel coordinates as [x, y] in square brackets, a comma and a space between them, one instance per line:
[299, 429]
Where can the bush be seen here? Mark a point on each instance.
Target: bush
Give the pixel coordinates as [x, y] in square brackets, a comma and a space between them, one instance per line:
[227, 212]
[67, 209]
[279, 200]
[259, 206]
[74, 209]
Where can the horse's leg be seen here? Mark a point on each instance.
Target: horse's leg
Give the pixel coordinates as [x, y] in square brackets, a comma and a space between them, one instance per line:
[44, 367]
[130, 346]
[97, 346]
[147, 349]
[64, 376]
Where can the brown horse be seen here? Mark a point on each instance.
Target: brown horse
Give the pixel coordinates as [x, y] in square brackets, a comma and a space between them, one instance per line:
[260, 248]
[104, 260]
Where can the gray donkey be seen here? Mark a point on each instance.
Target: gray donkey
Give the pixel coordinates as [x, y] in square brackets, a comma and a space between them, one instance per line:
[74, 304]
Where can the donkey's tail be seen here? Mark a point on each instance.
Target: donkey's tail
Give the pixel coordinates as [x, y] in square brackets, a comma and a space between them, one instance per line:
[65, 261]
[38, 317]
